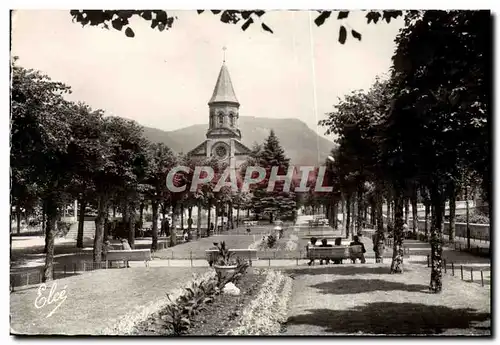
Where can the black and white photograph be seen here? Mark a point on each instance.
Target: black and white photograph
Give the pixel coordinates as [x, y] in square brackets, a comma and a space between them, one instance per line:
[251, 172]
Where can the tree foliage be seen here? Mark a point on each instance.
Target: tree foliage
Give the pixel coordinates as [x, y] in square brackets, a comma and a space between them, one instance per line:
[160, 20]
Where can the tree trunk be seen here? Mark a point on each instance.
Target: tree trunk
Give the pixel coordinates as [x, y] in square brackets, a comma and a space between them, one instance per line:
[18, 218]
[238, 216]
[164, 210]
[182, 218]
[373, 212]
[414, 212]
[427, 212]
[335, 216]
[209, 214]
[353, 215]
[231, 210]
[173, 231]
[451, 231]
[348, 217]
[154, 244]
[359, 218]
[131, 226]
[217, 213]
[436, 284]
[53, 229]
[344, 216]
[44, 220]
[50, 230]
[389, 216]
[397, 254]
[198, 220]
[81, 223]
[407, 210]
[141, 212]
[379, 220]
[99, 228]
[114, 212]
[467, 215]
[190, 222]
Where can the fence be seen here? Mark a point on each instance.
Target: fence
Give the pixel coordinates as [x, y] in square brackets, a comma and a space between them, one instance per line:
[460, 269]
[34, 276]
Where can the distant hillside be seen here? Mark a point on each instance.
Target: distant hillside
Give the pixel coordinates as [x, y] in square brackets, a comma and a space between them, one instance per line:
[300, 142]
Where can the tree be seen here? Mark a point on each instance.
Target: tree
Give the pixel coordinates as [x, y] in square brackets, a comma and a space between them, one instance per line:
[278, 202]
[160, 161]
[160, 20]
[40, 136]
[85, 150]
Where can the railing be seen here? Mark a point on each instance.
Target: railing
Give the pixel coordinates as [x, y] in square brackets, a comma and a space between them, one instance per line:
[460, 268]
[34, 276]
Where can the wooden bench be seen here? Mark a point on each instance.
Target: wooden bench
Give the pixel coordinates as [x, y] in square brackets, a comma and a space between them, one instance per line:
[334, 252]
[250, 223]
[129, 255]
[245, 254]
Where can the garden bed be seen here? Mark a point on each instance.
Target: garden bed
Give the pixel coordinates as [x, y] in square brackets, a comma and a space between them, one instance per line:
[223, 313]
[259, 309]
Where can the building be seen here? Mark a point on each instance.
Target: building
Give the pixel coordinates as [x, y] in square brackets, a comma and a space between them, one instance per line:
[223, 134]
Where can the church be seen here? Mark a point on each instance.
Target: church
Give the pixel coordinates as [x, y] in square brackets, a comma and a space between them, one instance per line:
[223, 138]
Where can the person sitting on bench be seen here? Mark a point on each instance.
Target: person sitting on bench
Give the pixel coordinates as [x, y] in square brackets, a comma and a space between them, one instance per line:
[126, 246]
[313, 243]
[357, 242]
[324, 243]
[338, 242]
[105, 248]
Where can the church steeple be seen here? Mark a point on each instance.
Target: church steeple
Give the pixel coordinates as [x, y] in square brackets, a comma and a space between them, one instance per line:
[223, 91]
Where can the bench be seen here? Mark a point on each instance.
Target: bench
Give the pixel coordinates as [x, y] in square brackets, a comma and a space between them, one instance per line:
[334, 252]
[250, 223]
[129, 255]
[246, 254]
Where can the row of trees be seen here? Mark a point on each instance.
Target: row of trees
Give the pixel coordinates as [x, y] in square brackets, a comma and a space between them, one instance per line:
[63, 151]
[423, 132]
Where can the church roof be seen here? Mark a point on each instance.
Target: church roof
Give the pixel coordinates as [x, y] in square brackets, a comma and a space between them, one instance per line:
[223, 91]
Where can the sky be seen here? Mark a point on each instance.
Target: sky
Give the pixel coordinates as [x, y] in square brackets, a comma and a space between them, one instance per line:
[165, 79]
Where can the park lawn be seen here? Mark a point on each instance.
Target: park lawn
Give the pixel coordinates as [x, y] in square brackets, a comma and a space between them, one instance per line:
[95, 300]
[366, 300]
[197, 248]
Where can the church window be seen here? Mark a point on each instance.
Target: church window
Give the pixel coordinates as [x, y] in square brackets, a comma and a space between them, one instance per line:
[231, 119]
[221, 119]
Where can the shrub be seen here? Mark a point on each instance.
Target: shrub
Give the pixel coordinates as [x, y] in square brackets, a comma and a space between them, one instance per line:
[174, 318]
[271, 241]
[474, 218]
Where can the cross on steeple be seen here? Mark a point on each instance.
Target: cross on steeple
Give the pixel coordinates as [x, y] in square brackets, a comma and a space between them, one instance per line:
[224, 52]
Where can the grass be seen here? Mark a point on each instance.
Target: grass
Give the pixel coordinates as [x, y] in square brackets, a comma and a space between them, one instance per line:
[95, 301]
[366, 300]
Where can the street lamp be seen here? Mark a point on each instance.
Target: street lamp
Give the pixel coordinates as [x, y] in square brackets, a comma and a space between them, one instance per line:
[331, 159]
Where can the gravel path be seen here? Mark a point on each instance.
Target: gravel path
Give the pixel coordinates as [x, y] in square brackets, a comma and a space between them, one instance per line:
[365, 299]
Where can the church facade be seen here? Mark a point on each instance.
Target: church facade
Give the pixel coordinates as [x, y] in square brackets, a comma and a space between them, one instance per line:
[223, 138]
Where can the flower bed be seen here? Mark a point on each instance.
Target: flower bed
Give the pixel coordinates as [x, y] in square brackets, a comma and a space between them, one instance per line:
[128, 324]
[268, 311]
[178, 314]
[225, 310]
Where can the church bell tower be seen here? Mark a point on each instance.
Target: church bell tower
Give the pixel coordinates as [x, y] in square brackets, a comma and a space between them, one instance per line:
[223, 137]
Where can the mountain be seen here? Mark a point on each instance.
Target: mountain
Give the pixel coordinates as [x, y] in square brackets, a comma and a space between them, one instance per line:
[301, 143]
